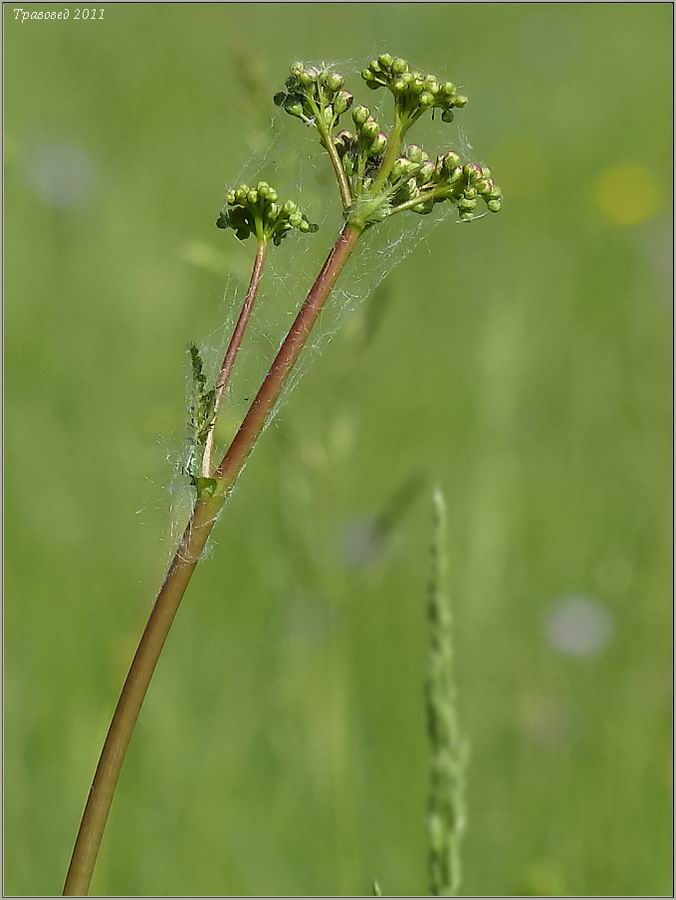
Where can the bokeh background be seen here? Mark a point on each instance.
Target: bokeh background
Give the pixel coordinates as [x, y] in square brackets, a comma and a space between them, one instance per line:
[522, 362]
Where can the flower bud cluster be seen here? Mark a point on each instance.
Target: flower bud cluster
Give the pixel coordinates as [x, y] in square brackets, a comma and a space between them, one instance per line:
[312, 92]
[416, 176]
[413, 91]
[362, 150]
[258, 211]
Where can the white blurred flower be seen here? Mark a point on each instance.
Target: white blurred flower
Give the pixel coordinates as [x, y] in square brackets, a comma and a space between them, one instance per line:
[579, 626]
[61, 174]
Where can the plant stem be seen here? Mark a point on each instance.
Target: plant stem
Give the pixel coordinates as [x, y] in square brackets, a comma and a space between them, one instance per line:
[135, 686]
[232, 351]
[270, 390]
[329, 146]
[187, 555]
[391, 152]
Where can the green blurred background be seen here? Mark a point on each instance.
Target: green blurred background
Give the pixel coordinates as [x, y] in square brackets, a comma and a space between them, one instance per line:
[522, 362]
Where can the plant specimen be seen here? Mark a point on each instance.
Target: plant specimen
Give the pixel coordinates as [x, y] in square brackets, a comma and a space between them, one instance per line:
[379, 175]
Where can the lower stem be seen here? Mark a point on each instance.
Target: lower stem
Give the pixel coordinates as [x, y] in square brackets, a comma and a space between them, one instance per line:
[187, 555]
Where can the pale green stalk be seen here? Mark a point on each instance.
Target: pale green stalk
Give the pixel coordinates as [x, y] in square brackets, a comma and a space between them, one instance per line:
[446, 802]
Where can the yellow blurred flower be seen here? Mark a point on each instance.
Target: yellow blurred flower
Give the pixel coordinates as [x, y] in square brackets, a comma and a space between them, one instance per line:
[628, 193]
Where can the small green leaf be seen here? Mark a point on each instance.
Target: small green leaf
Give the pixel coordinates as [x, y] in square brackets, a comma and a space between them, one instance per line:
[205, 487]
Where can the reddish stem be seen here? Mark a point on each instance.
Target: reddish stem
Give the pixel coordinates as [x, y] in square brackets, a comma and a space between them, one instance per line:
[187, 555]
[288, 353]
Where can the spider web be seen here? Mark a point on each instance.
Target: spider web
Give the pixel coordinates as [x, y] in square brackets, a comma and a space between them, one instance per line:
[298, 167]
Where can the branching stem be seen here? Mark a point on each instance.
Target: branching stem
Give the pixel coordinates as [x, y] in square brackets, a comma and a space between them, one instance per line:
[232, 351]
[187, 555]
[391, 152]
[341, 177]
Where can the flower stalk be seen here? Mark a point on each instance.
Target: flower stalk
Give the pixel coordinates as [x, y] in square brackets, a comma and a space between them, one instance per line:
[377, 176]
[203, 517]
[232, 351]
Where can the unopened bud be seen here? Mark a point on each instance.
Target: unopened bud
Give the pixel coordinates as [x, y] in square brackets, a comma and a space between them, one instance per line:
[335, 81]
[399, 66]
[400, 168]
[342, 102]
[379, 144]
[360, 114]
[451, 160]
[370, 129]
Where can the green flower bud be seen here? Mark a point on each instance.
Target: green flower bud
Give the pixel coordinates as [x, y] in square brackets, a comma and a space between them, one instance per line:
[252, 198]
[494, 205]
[398, 87]
[447, 89]
[485, 171]
[368, 76]
[426, 171]
[370, 129]
[399, 66]
[230, 198]
[450, 161]
[307, 78]
[411, 188]
[496, 193]
[272, 212]
[240, 194]
[466, 203]
[295, 219]
[360, 114]
[263, 189]
[461, 100]
[348, 164]
[297, 69]
[294, 108]
[304, 226]
[415, 153]
[407, 78]
[470, 193]
[374, 66]
[456, 175]
[379, 144]
[342, 102]
[335, 81]
[426, 100]
[385, 61]
[399, 169]
[484, 186]
[466, 215]
[290, 208]
[416, 87]
[327, 114]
